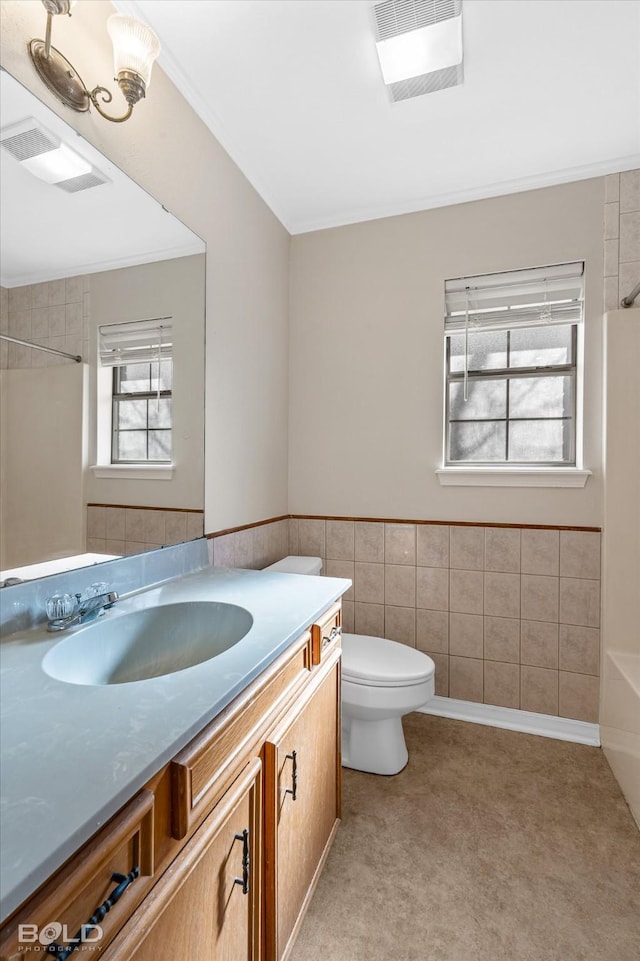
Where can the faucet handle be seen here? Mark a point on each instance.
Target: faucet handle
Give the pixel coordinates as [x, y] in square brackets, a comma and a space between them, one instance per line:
[60, 605]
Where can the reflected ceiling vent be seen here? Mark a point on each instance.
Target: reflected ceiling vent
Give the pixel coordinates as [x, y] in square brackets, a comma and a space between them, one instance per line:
[419, 43]
[45, 156]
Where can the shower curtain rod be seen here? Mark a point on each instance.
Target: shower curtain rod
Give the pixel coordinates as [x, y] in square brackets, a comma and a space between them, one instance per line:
[49, 350]
[628, 301]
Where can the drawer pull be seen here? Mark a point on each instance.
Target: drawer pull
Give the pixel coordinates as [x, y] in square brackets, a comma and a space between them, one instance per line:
[336, 631]
[123, 880]
[293, 790]
[246, 861]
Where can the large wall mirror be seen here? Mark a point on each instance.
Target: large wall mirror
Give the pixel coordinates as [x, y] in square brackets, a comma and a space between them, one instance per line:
[85, 252]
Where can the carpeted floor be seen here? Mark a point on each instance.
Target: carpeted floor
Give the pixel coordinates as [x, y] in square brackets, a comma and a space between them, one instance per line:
[490, 846]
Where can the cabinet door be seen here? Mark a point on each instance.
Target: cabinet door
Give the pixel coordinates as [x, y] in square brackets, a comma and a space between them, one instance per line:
[302, 805]
[206, 907]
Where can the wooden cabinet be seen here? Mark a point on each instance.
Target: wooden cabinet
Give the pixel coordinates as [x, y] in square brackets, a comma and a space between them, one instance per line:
[226, 842]
[302, 804]
[206, 907]
[119, 858]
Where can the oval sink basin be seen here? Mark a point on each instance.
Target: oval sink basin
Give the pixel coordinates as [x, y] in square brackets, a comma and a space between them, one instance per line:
[147, 643]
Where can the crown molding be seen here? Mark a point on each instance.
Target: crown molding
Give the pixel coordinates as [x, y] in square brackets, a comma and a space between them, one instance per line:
[553, 178]
[99, 266]
[176, 74]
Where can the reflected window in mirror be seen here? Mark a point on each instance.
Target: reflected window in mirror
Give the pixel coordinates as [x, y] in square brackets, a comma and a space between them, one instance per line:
[141, 417]
[139, 358]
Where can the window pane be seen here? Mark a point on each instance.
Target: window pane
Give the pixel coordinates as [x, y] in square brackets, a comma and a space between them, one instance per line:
[159, 445]
[541, 346]
[485, 398]
[166, 372]
[540, 440]
[131, 445]
[132, 414]
[477, 441]
[487, 350]
[540, 397]
[160, 412]
[134, 378]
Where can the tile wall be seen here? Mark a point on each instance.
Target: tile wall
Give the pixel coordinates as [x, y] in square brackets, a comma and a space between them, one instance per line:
[130, 530]
[511, 616]
[621, 236]
[253, 548]
[54, 314]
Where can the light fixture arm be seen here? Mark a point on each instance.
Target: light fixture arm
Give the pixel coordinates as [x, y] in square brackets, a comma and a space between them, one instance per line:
[107, 97]
[47, 36]
[61, 77]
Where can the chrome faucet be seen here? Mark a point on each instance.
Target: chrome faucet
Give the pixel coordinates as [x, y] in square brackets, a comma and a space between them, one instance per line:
[84, 609]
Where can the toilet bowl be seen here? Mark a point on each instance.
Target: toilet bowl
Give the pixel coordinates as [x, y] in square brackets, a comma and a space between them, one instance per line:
[381, 681]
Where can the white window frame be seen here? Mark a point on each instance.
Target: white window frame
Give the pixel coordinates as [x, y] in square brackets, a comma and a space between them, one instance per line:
[120, 344]
[508, 301]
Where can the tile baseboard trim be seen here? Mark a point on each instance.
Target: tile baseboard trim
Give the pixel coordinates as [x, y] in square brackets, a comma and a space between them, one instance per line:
[146, 507]
[384, 520]
[527, 722]
[247, 527]
[404, 520]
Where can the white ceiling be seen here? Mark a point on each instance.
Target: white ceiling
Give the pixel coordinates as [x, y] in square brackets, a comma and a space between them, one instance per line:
[47, 233]
[293, 91]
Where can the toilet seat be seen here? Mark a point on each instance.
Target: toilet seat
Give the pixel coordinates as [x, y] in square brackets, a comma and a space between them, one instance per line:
[378, 662]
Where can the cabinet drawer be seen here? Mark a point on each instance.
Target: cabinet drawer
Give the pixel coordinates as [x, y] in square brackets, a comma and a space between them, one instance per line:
[202, 771]
[326, 633]
[98, 888]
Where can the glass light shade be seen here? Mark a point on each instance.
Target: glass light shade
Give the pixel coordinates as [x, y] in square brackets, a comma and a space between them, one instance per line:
[135, 46]
[421, 51]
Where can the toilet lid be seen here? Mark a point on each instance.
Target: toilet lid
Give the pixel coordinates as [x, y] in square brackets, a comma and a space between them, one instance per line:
[378, 662]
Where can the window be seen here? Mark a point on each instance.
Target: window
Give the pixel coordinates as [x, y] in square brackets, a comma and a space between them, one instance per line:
[511, 349]
[139, 354]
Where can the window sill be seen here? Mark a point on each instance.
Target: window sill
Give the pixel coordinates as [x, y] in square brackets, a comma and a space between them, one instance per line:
[512, 476]
[134, 471]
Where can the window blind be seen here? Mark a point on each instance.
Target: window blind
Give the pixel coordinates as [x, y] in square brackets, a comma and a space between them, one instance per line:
[136, 342]
[517, 298]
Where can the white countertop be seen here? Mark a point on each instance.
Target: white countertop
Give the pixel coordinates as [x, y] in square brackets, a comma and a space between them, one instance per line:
[72, 755]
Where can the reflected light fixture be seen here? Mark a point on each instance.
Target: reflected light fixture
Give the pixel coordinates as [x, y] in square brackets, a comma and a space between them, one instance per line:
[135, 47]
[43, 154]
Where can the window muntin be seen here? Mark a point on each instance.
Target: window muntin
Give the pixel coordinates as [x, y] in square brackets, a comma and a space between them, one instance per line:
[511, 347]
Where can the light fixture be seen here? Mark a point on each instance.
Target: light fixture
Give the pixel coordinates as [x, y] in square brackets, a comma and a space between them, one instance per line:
[419, 45]
[135, 47]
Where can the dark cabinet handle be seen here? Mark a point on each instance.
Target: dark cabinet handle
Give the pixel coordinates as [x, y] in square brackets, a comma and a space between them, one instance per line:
[246, 861]
[336, 631]
[123, 881]
[293, 790]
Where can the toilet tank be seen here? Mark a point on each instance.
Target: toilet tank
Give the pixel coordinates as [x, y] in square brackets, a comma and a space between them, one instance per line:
[297, 565]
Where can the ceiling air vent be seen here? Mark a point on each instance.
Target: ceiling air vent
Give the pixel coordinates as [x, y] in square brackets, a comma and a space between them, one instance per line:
[47, 157]
[427, 28]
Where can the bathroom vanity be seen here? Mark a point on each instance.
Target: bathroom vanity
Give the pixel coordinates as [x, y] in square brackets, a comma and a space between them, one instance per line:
[216, 853]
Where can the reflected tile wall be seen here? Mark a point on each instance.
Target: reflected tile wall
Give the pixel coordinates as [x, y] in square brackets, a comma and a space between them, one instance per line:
[129, 530]
[53, 314]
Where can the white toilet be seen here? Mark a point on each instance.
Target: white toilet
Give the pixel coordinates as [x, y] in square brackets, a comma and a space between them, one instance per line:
[381, 681]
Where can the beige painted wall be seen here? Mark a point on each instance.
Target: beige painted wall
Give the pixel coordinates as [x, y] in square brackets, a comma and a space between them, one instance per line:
[167, 149]
[173, 288]
[42, 455]
[366, 355]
